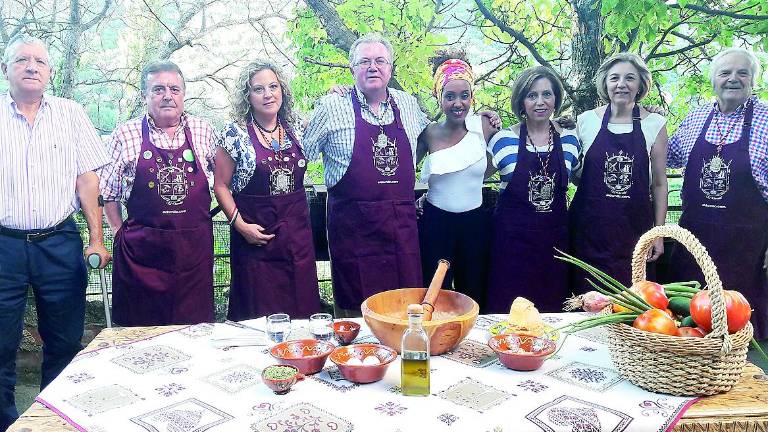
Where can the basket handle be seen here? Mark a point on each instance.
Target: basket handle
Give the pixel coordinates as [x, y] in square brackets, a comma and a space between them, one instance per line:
[700, 254]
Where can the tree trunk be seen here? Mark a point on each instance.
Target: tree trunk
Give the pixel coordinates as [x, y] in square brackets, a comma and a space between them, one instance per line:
[71, 47]
[588, 53]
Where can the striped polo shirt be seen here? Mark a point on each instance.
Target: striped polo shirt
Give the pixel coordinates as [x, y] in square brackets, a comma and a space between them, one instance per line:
[506, 143]
[40, 163]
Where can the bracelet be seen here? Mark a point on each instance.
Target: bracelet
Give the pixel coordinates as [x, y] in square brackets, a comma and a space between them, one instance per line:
[429, 304]
[234, 216]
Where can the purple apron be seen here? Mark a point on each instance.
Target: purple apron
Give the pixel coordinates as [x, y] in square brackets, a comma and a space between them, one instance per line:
[280, 276]
[163, 254]
[530, 220]
[724, 209]
[372, 234]
[612, 207]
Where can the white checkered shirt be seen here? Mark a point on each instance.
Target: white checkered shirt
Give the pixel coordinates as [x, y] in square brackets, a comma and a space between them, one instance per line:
[331, 129]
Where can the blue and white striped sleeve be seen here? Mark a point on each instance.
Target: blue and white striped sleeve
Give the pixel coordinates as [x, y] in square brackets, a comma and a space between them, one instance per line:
[316, 133]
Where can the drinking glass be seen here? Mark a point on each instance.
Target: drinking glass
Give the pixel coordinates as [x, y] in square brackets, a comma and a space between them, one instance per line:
[278, 327]
[321, 326]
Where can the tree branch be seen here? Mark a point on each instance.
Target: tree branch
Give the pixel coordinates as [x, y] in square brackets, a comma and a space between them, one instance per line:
[716, 12]
[683, 49]
[310, 60]
[523, 40]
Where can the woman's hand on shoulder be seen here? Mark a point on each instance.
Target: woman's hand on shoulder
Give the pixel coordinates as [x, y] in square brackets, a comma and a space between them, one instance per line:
[493, 118]
[565, 122]
[654, 109]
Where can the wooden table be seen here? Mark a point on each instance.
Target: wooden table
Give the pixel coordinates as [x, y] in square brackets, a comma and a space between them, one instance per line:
[743, 409]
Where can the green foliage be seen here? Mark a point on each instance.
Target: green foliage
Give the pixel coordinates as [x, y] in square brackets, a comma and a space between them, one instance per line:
[403, 22]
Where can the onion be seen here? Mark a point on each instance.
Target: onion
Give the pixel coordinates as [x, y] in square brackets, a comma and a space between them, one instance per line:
[592, 301]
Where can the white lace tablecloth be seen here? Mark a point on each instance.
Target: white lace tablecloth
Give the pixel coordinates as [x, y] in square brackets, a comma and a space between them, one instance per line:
[178, 382]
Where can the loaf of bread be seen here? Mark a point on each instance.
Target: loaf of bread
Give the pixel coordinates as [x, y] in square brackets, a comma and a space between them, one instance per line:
[524, 318]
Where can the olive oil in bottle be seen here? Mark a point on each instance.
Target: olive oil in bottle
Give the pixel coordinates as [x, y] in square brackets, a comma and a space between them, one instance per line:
[414, 369]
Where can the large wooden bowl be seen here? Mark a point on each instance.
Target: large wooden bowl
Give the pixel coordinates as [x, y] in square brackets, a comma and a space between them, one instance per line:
[385, 314]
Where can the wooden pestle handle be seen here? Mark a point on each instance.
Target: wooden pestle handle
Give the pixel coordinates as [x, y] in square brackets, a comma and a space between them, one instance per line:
[434, 289]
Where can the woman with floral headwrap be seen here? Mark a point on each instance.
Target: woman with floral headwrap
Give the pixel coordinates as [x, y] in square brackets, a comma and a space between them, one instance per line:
[453, 225]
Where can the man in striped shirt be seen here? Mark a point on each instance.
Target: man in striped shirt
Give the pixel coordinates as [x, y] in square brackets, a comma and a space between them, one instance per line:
[161, 166]
[48, 153]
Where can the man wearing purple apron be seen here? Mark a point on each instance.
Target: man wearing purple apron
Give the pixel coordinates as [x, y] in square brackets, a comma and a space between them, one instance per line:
[368, 140]
[723, 147]
[609, 213]
[163, 251]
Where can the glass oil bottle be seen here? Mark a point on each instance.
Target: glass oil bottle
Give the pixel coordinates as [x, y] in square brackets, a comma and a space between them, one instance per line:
[414, 370]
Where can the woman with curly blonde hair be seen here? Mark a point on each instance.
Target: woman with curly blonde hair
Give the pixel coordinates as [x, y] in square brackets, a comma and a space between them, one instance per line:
[259, 183]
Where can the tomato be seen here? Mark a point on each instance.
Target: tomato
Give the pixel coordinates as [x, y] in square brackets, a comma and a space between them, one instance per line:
[690, 332]
[737, 310]
[656, 321]
[652, 292]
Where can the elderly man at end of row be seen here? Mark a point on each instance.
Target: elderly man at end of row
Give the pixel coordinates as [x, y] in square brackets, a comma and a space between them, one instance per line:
[724, 149]
[49, 152]
[160, 169]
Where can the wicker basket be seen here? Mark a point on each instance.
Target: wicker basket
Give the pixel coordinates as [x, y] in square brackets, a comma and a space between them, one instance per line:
[682, 366]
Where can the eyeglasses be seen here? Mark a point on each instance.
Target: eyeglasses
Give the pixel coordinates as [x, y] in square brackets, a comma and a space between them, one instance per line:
[379, 61]
[161, 90]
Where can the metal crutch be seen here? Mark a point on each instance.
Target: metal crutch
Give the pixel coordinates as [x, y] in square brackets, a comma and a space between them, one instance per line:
[94, 261]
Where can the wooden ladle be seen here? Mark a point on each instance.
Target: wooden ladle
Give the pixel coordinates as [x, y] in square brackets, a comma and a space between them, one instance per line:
[434, 289]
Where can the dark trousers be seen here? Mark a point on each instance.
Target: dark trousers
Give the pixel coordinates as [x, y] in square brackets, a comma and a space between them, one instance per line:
[55, 269]
[463, 240]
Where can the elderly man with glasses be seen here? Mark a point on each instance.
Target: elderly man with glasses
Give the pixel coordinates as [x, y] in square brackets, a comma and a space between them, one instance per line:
[368, 140]
[723, 146]
[49, 152]
[161, 166]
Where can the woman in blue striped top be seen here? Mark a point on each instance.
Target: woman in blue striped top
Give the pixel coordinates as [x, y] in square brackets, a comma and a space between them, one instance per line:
[531, 215]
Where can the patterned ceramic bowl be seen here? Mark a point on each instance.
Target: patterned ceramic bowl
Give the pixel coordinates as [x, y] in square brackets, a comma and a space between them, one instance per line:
[283, 383]
[352, 361]
[345, 331]
[308, 355]
[520, 352]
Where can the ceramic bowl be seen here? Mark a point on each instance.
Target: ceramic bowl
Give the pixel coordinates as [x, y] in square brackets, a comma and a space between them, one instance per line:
[455, 315]
[345, 331]
[365, 373]
[308, 355]
[281, 386]
[521, 352]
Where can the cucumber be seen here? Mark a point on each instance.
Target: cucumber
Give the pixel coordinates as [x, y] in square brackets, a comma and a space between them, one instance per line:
[680, 305]
[687, 322]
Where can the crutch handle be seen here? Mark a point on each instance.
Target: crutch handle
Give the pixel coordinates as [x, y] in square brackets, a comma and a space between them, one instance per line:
[94, 260]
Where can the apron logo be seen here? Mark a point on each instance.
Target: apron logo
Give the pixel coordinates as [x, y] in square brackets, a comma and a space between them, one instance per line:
[172, 185]
[385, 155]
[280, 181]
[541, 192]
[715, 178]
[618, 172]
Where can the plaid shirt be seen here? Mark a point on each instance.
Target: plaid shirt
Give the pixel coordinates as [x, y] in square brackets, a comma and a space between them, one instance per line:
[125, 145]
[681, 143]
[331, 129]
